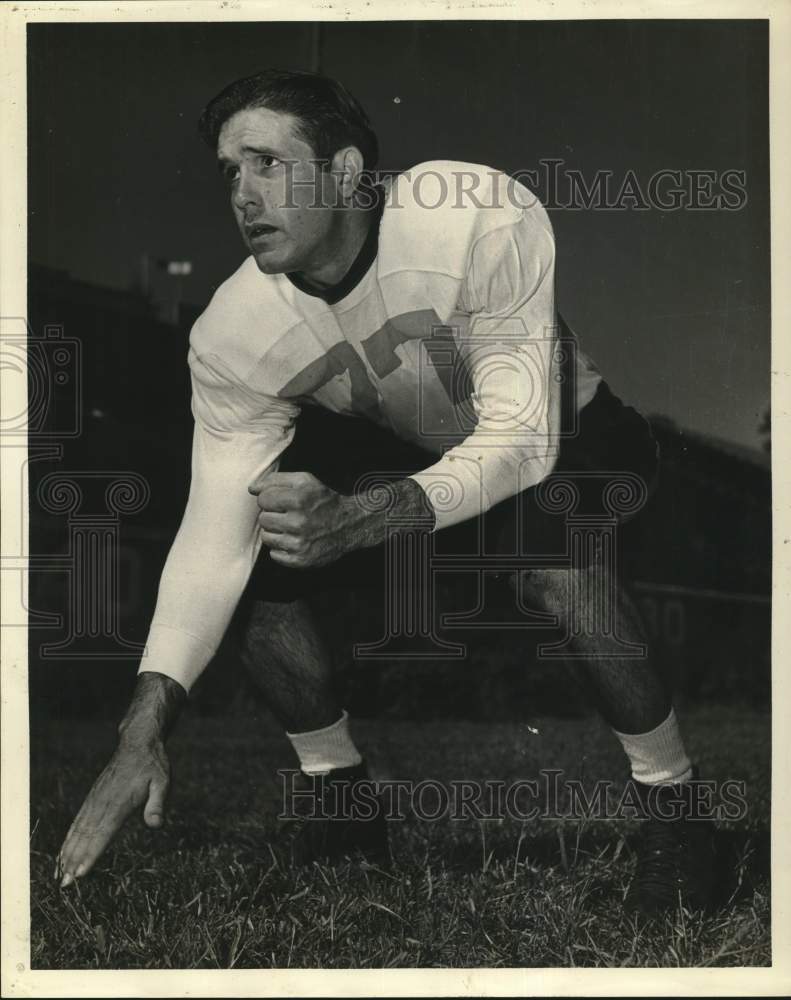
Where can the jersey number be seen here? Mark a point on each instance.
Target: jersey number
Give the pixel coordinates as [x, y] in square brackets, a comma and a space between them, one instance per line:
[380, 350]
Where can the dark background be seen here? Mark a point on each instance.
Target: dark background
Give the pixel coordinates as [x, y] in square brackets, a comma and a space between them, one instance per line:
[673, 306]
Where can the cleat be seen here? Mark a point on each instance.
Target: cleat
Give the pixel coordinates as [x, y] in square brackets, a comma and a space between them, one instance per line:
[675, 854]
[337, 816]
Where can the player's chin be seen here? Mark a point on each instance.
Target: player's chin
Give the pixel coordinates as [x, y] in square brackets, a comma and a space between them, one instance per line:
[272, 261]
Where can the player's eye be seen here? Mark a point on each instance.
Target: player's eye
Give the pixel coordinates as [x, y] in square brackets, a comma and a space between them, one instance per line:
[230, 173]
[266, 161]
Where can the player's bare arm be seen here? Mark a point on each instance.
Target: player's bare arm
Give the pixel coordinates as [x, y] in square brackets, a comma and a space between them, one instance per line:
[305, 523]
[138, 774]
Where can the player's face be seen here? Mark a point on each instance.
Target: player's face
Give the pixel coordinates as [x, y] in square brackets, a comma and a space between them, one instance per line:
[282, 201]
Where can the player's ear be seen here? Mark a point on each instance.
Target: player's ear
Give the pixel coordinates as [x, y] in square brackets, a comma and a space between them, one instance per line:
[347, 165]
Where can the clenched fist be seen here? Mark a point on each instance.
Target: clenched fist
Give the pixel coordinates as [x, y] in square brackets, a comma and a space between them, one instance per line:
[303, 522]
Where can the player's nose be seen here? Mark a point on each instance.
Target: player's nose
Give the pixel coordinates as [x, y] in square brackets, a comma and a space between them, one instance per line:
[247, 192]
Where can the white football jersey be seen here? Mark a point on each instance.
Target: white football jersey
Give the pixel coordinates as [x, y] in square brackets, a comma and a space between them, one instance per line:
[444, 331]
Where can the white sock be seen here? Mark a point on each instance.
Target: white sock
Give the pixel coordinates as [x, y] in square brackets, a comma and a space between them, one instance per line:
[658, 757]
[326, 749]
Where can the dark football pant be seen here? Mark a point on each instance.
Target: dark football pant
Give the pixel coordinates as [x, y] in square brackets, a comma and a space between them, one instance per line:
[611, 443]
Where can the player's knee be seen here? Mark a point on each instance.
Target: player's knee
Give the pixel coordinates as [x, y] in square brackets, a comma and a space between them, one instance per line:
[543, 589]
[553, 590]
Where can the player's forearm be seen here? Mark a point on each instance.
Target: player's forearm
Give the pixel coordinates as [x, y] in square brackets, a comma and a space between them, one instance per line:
[155, 707]
[515, 443]
[474, 477]
[204, 576]
[401, 505]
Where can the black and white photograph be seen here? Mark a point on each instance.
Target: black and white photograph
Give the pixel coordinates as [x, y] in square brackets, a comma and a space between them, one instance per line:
[390, 552]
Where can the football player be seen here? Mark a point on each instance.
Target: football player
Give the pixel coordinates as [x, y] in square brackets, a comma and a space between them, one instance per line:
[405, 327]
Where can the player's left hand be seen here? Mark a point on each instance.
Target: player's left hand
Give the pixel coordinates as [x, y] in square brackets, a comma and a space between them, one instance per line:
[303, 522]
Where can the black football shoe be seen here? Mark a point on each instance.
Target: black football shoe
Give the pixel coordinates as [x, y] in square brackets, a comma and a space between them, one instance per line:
[334, 817]
[675, 852]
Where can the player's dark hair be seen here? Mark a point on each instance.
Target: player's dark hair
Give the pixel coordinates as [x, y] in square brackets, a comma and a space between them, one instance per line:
[329, 116]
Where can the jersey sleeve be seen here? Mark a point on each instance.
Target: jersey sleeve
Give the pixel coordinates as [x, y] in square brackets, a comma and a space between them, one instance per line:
[509, 350]
[238, 435]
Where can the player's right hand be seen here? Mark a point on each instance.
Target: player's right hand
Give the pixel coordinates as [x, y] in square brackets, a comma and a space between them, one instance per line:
[138, 774]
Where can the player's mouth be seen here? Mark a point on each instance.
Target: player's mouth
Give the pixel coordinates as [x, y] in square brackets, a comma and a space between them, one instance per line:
[259, 232]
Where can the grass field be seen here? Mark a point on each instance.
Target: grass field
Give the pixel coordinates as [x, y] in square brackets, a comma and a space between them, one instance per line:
[213, 890]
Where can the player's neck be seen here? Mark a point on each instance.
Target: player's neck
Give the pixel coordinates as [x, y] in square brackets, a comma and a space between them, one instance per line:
[341, 250]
